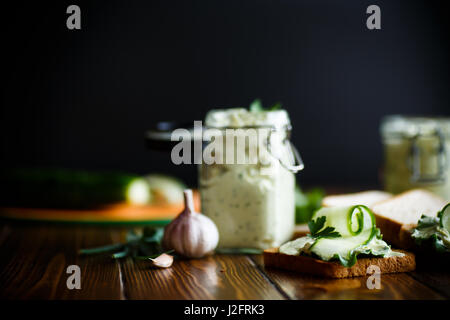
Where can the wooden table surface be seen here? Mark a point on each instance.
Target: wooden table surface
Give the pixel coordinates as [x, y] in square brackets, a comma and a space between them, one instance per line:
[34, 258]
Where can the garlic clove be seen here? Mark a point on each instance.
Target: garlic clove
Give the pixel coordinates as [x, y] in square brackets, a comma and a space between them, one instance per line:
[162, 261]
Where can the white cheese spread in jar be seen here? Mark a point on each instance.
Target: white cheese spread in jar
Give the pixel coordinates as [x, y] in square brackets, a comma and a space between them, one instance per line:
[252, 203]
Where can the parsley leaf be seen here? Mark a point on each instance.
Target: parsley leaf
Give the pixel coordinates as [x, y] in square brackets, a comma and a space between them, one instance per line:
[276, 106]
[316, 226]
[429, 233]
[256, 106]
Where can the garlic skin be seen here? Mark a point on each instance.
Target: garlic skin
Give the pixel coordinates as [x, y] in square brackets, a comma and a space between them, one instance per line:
[191, 234]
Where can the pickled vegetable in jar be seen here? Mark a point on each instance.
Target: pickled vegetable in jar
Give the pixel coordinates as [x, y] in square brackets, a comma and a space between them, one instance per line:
[416, 154]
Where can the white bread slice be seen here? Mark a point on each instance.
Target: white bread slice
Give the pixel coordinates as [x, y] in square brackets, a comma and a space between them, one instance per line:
[367, 198]
[397, 216]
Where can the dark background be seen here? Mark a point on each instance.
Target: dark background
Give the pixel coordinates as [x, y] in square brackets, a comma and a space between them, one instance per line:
[84, 98]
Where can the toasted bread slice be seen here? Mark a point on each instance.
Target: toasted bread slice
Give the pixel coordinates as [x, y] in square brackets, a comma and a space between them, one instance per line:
[333, 269]
[367, 198]
[397, 216]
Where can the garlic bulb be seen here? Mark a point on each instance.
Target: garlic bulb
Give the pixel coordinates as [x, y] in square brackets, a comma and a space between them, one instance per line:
[191, 234]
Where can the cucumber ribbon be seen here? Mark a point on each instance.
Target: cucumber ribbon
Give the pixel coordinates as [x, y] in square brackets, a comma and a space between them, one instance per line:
[357, 228]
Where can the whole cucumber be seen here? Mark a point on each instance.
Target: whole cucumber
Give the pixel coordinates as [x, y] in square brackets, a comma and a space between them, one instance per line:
[73, 189]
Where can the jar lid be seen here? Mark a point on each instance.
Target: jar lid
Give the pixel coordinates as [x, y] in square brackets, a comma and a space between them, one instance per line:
[411, 126]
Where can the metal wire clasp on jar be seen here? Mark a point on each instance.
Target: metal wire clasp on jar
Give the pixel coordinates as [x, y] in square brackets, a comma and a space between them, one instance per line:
[252, 201]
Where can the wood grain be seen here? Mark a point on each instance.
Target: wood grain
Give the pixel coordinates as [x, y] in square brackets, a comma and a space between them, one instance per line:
[33, 262]
[438, 280]
[34, 258]
[214, 277]
[393, 286]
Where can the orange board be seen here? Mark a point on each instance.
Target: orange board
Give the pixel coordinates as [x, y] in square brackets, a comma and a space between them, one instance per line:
[115, 214]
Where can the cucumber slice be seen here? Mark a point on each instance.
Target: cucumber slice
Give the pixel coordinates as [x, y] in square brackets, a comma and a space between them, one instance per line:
[341, 248]
[445, 217]
[348, 221]
[357, 228]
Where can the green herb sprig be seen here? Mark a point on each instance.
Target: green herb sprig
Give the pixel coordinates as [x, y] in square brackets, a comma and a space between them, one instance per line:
[430, 233]
[316, 226]
[146, 245]
[306, 203]
[256, 106]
